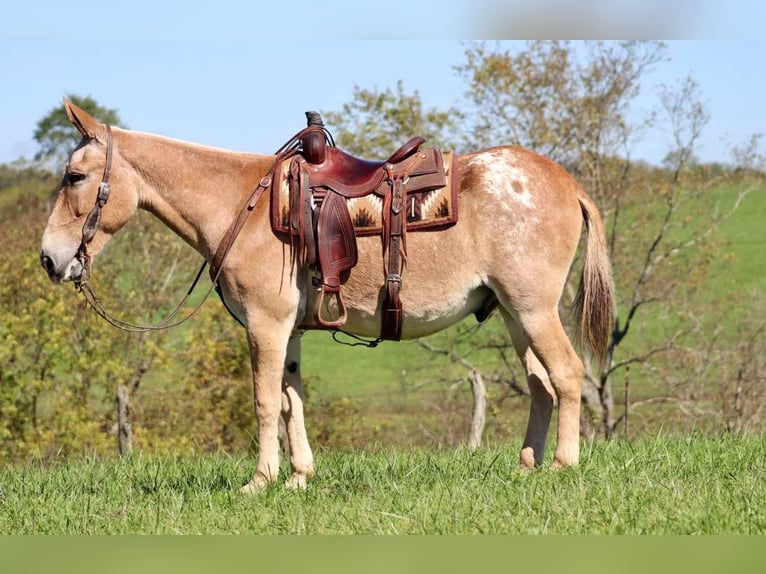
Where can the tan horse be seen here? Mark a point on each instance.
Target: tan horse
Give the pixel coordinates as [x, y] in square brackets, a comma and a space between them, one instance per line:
[520, 224]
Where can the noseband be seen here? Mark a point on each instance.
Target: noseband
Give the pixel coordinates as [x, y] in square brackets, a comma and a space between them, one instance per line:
[94, 217]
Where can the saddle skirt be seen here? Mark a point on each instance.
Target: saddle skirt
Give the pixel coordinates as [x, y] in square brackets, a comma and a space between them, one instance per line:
[431, 208]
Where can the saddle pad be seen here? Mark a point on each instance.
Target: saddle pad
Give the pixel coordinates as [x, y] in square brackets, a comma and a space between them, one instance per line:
[434, 209]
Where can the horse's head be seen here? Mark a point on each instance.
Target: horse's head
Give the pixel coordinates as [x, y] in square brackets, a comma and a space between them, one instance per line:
[82, 220]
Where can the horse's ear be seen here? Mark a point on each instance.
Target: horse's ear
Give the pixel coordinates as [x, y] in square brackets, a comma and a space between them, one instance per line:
[86, 124]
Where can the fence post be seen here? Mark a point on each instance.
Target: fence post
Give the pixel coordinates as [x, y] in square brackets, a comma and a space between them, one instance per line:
[479, 391]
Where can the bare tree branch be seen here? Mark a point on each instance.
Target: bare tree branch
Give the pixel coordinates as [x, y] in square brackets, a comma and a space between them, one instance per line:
[714, 225]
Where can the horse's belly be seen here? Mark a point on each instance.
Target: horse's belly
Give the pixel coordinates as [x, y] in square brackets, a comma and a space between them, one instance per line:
[443, 281]
[426, 311]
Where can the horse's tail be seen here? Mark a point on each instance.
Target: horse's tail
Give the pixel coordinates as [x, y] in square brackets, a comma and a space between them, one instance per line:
[594, 305]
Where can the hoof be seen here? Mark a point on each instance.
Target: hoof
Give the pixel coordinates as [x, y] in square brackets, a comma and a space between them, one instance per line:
[296, 481]
[258, 484]
[559, 465]
[527, 460]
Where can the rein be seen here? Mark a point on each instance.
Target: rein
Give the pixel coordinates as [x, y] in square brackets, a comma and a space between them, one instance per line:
[92, 221]
[289, 149]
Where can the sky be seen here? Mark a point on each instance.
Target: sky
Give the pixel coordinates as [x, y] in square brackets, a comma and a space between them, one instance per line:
[236, 76]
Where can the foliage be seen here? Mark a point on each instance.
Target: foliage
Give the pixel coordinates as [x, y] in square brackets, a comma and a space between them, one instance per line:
[60, 366]
[568, 101]
[23, 174]
[573, 102]
[662, 485]
[373, 122]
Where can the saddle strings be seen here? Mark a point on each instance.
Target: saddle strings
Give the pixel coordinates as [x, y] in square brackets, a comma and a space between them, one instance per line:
[361, 341]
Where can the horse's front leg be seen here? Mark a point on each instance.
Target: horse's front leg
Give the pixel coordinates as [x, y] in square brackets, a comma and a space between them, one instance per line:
[268, 349]
[301, 457]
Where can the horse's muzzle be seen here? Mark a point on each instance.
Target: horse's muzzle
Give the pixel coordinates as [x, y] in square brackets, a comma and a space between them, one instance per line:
[71, 271]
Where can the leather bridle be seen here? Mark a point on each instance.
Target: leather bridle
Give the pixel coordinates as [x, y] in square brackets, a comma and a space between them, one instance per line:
[92, 221]
[90, 227]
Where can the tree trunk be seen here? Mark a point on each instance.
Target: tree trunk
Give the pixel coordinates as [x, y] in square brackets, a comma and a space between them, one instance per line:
[124, 427]
[607, 408]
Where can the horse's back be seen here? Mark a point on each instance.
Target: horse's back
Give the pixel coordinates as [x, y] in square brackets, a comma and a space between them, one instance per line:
[518, 225]
[520, 204]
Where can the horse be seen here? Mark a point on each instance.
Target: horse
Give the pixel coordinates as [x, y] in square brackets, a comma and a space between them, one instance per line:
[522, 217]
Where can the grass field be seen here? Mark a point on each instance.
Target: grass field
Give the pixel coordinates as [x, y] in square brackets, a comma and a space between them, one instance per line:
[695, 485]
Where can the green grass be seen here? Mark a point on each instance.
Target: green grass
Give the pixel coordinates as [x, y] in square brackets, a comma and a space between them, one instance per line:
[697, 485]
[745, 233]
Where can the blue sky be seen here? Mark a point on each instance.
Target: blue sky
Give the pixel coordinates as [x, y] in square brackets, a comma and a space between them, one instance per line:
[240, 78]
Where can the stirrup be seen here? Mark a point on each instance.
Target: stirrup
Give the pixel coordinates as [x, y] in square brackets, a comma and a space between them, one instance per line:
[340, 321]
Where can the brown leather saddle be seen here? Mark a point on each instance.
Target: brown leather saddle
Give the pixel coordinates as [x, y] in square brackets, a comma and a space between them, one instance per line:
[321, 179]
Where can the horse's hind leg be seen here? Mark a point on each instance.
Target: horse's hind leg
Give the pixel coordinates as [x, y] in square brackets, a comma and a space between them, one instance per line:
[301, 457]
[549, 342]
[541, 395]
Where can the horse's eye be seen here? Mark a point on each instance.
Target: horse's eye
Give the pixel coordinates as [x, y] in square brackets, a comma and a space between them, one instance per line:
[73, 177]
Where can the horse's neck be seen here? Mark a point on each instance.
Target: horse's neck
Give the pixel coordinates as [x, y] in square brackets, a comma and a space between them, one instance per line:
[195, 190]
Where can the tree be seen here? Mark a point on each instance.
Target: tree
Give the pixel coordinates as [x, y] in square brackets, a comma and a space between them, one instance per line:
[61, 367]
[567, 101]
[572, 103]
[375, 122]
[694, 355]
[58, 137]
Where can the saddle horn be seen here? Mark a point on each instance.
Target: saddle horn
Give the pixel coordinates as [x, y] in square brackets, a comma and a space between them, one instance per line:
[314, 141]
